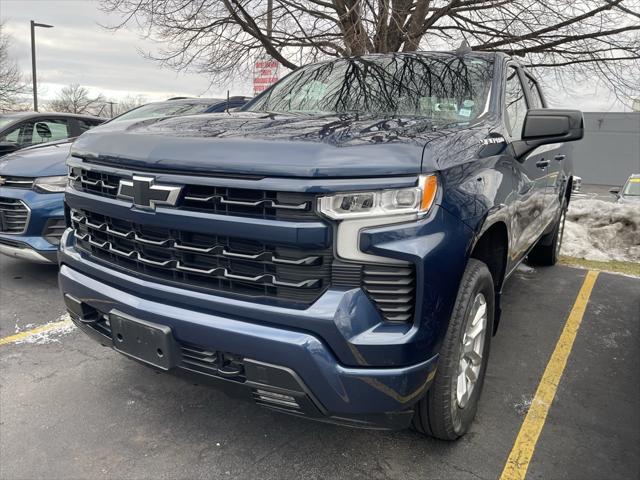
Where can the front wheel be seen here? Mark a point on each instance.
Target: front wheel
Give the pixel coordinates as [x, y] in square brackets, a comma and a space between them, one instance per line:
[449, 407]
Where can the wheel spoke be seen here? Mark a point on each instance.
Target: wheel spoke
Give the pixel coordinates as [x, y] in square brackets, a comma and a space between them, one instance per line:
[481, 313]
[471, 373]
[474, 357]
[462, 389]
[477, 329]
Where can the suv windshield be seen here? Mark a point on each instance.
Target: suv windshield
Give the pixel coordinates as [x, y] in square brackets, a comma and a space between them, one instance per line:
[4, 121]
[632, 188]
[445, 88]
[165, 109]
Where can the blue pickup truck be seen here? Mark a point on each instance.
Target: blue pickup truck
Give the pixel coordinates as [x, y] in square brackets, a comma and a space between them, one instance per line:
[337, 248]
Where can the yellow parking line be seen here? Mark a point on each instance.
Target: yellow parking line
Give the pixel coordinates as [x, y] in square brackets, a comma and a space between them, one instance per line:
[522, 451]
[34, 331]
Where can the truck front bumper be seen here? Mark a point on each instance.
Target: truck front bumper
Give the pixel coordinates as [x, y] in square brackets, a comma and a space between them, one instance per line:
[342, 360]
[284, 369]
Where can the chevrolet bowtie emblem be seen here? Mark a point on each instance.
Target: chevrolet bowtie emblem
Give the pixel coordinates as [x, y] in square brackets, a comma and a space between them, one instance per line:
[146, 194]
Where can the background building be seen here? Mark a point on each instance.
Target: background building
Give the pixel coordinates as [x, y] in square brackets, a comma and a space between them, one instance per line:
[610, 150]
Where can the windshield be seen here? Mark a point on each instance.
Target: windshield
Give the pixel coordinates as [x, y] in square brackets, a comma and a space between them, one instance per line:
[165, 109]
[632, 188]
[4, 121]
[444, 88]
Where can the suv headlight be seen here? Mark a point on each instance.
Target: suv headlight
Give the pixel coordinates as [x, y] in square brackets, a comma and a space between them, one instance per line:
[358, 210]
[50, 184]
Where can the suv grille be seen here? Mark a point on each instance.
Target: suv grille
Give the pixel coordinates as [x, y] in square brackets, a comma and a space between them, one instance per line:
[205, 261]
[14, 215]
[17, 182]
[219, 200]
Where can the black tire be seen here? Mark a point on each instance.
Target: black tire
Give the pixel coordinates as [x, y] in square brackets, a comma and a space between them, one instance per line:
[438, 413]
[547, 250]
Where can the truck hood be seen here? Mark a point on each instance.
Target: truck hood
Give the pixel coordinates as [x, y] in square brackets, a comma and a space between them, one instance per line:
[261, 144]
[39, 161]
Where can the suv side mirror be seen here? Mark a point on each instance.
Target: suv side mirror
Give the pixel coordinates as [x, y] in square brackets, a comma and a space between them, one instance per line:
[547, 125]
[615, 191]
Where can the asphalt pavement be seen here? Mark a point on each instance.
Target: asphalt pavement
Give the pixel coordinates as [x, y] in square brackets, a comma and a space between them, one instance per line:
[71, 409]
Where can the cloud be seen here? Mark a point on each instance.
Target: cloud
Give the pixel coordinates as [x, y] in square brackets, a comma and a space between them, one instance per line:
[79, 50]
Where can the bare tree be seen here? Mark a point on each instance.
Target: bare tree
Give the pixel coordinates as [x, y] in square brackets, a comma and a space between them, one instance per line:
[76, 99]
[12, 84]
[582, 39]
[127, 103]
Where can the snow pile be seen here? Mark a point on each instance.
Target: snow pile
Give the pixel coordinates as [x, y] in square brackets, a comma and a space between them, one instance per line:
[602, 231]
[62, 326]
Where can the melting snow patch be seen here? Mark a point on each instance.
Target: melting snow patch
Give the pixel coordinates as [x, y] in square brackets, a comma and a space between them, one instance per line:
[522, 268]
[602, 231]
[52, 335]
[522, 407]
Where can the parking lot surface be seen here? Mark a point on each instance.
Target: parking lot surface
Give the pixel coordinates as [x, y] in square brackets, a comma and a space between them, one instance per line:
[70, 408]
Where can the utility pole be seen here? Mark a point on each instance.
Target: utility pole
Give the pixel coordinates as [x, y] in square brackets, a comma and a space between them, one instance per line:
[269, 18]
[33, 60]
[111, 104]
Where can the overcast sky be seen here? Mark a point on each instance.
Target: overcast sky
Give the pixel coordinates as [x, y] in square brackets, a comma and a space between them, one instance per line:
[79, 50]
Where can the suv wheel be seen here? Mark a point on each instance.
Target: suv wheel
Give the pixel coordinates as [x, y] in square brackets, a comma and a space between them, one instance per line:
[449, 407]
[547, 250]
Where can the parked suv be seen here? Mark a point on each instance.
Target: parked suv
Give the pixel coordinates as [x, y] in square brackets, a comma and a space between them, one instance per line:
[20, 130]
[336, 249]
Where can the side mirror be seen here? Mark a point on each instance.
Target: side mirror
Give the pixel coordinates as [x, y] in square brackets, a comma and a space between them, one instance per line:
[547, 125]
[8, 147]
[615, 191]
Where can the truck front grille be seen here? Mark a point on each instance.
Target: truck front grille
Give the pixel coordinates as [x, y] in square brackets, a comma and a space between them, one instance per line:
[212, 262]
[14, 215]
[241, 202]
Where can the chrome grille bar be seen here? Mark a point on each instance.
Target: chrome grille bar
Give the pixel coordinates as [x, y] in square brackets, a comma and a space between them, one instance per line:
[268, 279]
[93, 183]
[212, 250]
[264, 202]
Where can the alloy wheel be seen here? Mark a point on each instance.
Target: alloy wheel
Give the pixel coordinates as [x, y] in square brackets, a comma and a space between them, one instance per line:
[471, 352]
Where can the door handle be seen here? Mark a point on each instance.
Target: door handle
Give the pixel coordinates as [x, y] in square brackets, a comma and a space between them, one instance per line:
[543, 163]
[560, 157]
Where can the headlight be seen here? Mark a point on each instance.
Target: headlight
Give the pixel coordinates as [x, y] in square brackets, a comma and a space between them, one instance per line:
[382, 203]
[359, 210]
[50, 184]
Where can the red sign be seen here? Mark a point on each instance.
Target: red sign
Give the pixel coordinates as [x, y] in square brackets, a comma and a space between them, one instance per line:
[265, 74]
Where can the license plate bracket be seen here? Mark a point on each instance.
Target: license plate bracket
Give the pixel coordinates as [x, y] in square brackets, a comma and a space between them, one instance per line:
[145, 341]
